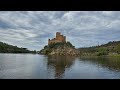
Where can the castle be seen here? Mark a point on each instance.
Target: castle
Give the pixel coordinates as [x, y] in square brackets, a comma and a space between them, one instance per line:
[59, 38]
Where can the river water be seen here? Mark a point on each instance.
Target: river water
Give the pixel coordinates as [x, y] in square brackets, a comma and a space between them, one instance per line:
[34, 66]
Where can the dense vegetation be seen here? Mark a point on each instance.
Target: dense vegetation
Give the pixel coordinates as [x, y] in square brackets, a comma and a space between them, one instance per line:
[111, 48]
[60, 48]
[6, 48]
[60, 44]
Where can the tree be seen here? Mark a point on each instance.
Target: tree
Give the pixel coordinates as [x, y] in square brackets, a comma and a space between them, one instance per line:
[6, 48]
[118, 49]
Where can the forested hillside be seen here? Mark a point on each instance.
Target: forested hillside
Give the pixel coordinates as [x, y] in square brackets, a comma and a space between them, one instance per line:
[6, 48]
[111, 48]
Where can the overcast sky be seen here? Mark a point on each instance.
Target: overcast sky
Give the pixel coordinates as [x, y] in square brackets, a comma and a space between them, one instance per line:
[32, 29]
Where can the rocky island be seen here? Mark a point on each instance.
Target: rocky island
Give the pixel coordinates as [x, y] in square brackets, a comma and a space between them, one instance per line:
[59, 46]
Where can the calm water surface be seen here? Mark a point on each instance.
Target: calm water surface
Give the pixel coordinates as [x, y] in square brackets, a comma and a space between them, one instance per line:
[31, 66]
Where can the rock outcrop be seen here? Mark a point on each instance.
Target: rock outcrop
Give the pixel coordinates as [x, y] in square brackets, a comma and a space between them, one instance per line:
[61, 48]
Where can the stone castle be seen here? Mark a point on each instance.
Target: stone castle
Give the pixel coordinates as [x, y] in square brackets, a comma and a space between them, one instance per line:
[59, 38]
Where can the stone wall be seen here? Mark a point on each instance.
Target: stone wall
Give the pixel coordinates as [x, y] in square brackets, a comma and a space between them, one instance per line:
[59, 38]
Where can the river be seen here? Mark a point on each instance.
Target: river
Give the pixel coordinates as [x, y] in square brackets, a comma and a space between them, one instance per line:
[34, 66]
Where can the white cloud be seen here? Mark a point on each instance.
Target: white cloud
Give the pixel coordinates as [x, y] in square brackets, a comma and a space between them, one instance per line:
[32, 29]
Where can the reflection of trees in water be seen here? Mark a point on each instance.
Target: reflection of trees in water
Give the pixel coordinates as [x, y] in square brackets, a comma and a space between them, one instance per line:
[112, 63]
[60, 63]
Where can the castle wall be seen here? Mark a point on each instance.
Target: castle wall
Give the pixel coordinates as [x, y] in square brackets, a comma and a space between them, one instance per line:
[57, 34]
[59, 38]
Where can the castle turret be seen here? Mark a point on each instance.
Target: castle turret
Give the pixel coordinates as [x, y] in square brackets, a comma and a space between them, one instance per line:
[57, 34]
[48, 41]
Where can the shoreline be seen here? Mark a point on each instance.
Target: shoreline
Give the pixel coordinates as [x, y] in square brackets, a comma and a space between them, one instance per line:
[89, 56]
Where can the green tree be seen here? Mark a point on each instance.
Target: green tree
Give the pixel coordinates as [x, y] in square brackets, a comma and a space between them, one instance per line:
[118, 49]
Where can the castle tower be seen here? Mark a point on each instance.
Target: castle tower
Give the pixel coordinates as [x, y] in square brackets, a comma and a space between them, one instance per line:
[59, 38]
[48, 41]
[57, 34]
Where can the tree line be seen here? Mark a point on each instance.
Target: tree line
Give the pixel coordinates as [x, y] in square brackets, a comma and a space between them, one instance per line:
[6, 48]
[106, 49]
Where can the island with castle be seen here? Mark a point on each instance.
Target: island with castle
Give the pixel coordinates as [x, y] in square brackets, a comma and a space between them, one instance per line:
[59, 46]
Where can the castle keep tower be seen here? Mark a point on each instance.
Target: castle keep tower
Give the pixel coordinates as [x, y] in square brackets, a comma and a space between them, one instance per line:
[59, 38]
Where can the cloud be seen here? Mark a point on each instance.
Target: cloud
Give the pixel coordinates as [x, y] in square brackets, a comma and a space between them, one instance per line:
[32, 29]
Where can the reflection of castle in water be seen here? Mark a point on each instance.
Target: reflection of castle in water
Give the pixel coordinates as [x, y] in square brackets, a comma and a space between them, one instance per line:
[60, 63]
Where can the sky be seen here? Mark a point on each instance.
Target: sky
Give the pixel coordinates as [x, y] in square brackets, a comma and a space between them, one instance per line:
[32, 29]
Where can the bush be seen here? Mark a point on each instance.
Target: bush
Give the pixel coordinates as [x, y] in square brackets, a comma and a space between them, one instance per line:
[102, 51]
[60, 44]
[47, 51]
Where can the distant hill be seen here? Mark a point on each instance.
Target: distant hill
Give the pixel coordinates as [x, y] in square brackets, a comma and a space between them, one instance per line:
[6, 48]
[106, 49]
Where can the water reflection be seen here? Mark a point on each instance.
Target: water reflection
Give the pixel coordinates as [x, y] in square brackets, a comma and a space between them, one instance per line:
[112, 63]
[60, 63]
[28, 66]
[100, 67]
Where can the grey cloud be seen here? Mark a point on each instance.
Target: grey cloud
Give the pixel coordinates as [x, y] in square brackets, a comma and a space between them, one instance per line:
[32, 29]
[4, 25]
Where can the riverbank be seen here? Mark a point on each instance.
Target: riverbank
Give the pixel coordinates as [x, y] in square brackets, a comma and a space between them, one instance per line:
[111, 49]
[95, 56]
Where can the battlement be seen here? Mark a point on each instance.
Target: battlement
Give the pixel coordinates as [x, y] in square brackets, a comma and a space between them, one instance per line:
[59, 38]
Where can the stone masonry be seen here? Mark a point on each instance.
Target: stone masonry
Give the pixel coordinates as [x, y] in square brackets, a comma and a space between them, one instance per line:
[59, 38]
